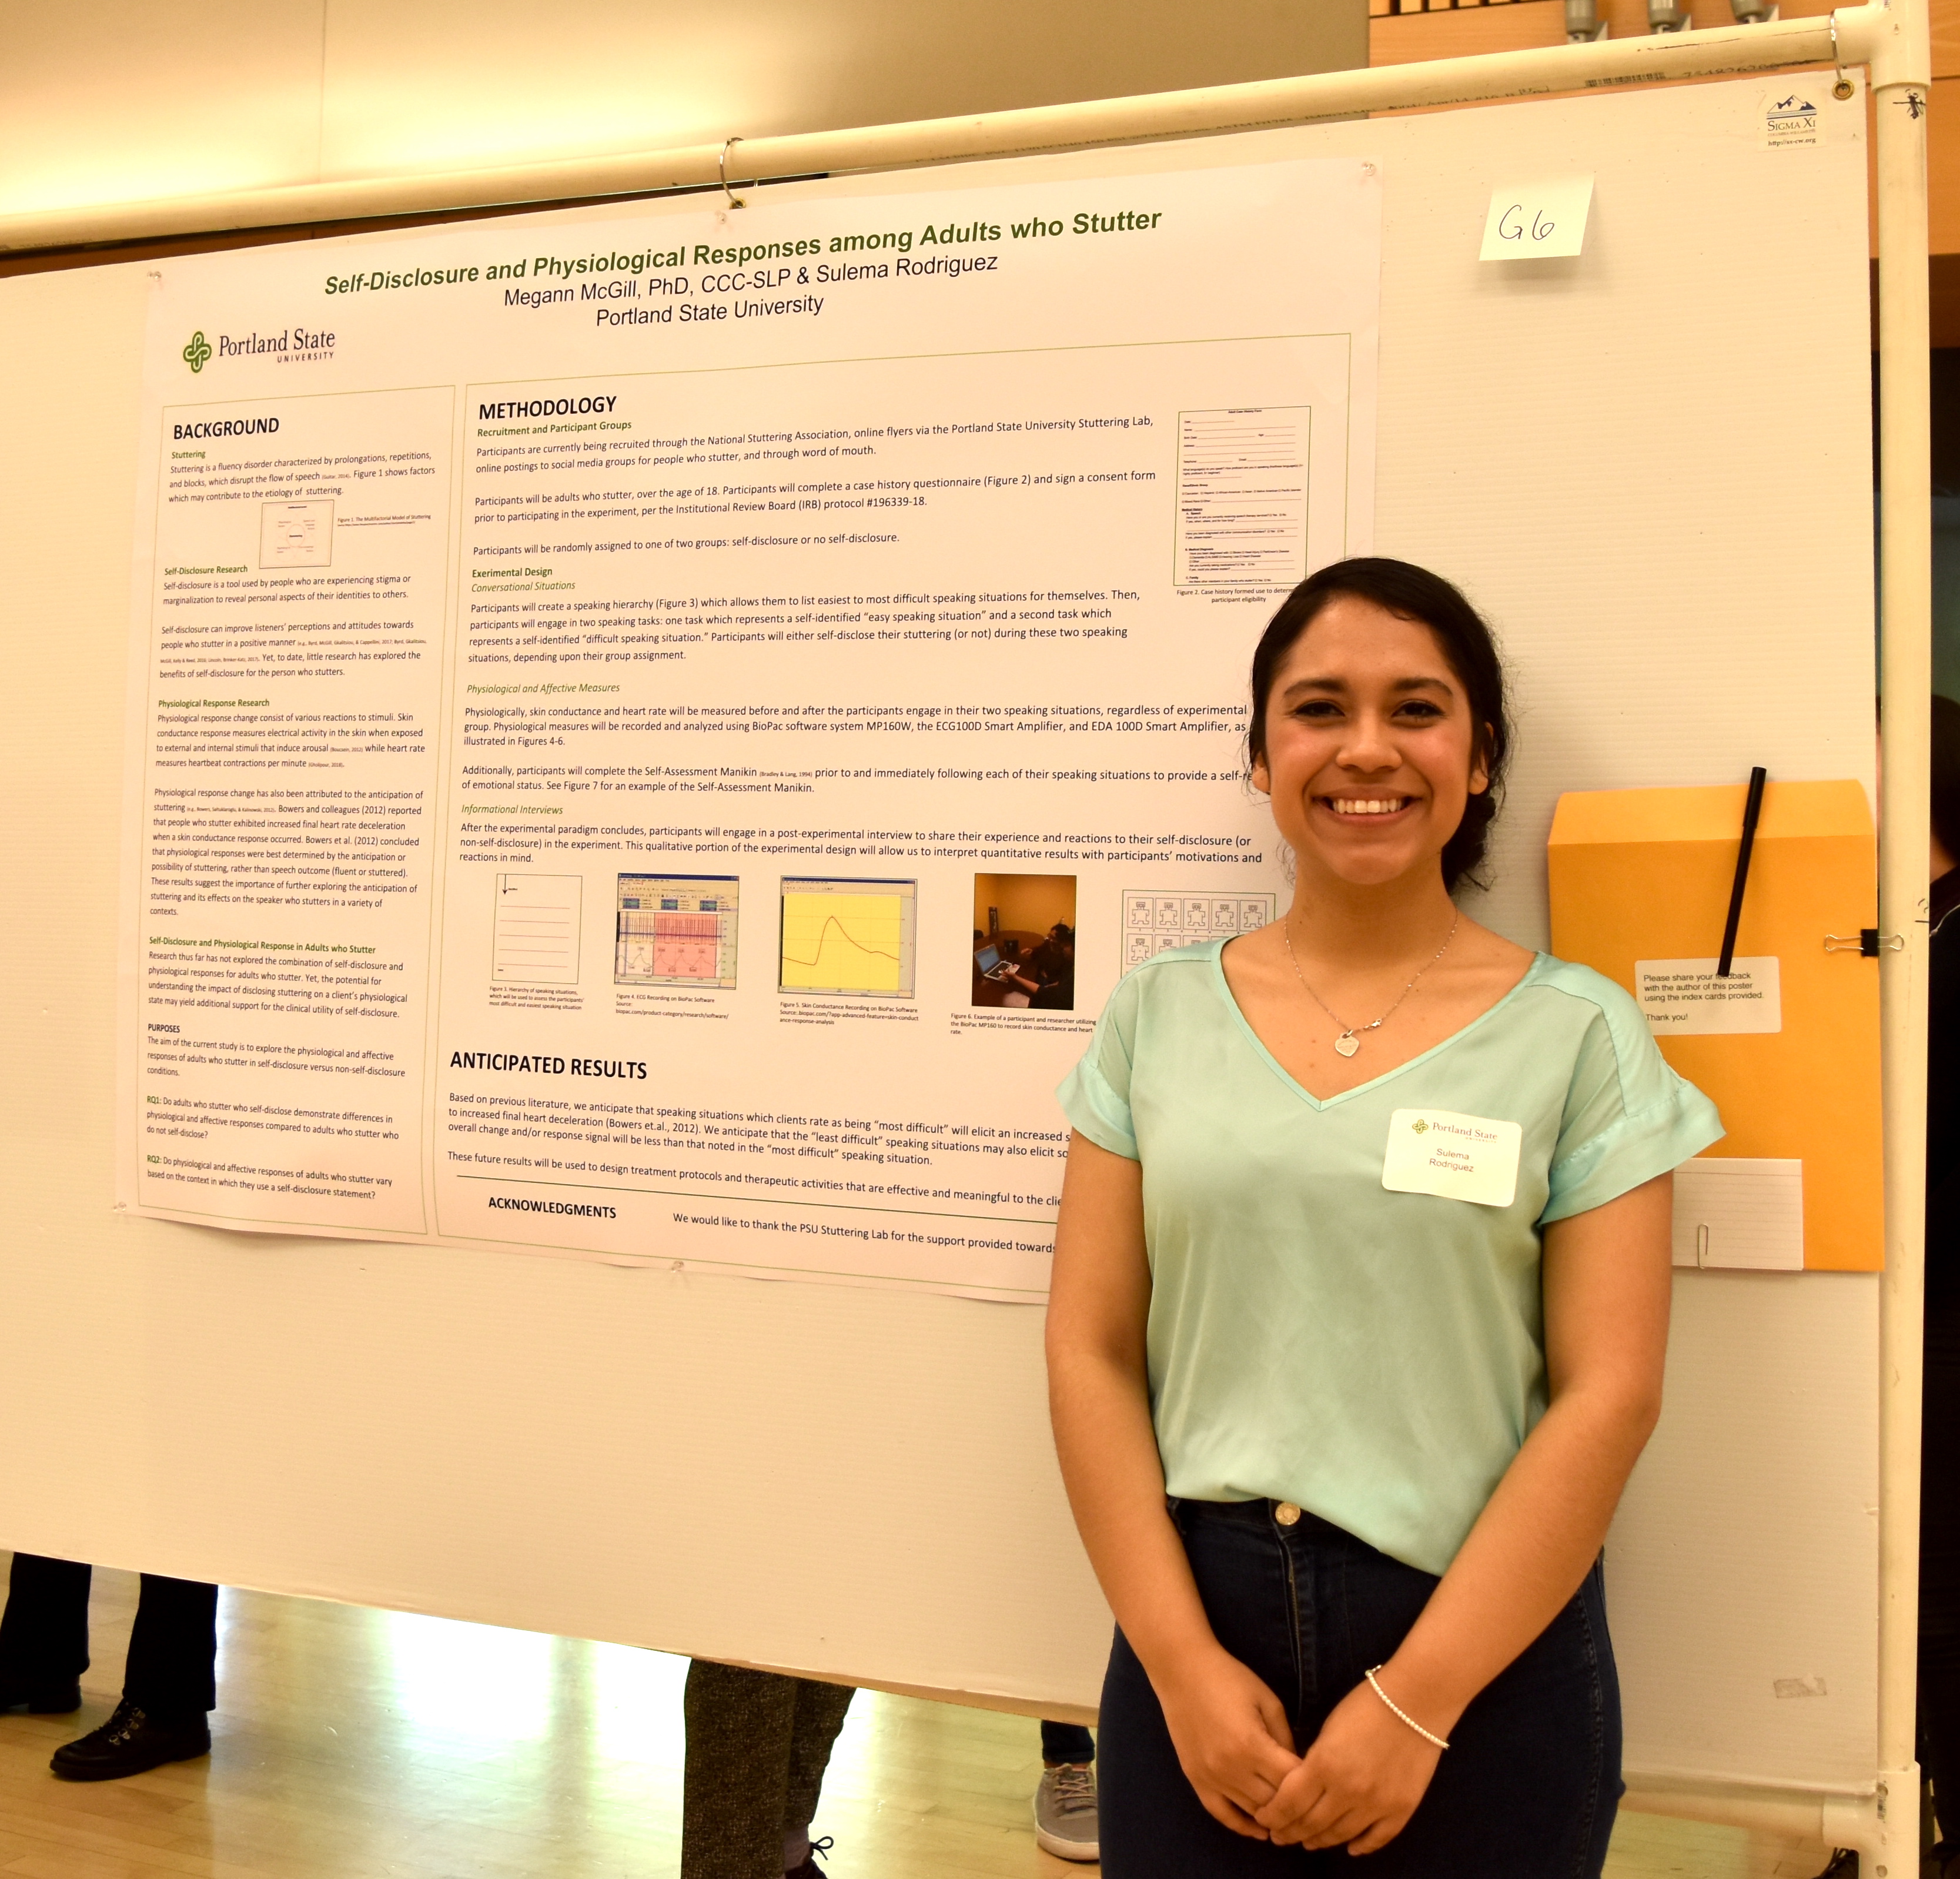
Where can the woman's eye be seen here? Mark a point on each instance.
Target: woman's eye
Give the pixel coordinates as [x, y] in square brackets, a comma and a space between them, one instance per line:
[1421, 710]
[1322, 709]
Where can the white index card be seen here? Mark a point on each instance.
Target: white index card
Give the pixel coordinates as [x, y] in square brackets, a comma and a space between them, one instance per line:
[1533, 221]
[1744, 1211]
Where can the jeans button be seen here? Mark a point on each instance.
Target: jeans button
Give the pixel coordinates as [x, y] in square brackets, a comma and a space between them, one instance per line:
[1286, 1514]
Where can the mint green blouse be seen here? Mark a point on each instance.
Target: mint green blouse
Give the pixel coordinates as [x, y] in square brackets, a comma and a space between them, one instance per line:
[1376, 1358]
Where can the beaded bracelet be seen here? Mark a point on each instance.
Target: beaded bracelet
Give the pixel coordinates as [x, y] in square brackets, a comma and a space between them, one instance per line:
[1400, 1714]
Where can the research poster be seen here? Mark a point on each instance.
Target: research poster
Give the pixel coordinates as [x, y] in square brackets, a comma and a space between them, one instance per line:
[652, 738]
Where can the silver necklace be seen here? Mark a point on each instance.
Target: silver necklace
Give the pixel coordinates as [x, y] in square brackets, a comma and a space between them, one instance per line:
[1350, 1041]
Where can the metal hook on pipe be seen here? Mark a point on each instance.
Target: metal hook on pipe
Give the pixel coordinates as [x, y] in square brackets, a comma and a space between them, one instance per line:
[737, 201]
[1842, 89]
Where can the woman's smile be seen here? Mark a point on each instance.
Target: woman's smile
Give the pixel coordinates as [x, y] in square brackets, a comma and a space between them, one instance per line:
[1368, 808]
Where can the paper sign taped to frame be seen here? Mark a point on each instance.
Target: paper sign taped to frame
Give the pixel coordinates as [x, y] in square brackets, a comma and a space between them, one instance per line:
[1689, 998]
[1536, 221]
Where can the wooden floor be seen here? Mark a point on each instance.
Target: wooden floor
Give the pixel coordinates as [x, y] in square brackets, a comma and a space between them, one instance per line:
[358, 1744]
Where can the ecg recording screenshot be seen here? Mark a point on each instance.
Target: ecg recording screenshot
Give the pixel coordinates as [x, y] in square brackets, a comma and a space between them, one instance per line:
[676, 930]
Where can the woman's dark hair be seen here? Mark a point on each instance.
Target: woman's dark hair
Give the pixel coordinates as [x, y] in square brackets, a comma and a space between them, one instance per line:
[1409, 593]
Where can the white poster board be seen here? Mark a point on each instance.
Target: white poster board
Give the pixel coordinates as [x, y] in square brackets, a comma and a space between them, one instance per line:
[643, 730]
[615, 1452]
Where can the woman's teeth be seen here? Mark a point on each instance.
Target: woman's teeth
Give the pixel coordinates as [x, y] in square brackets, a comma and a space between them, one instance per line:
[1367, 805]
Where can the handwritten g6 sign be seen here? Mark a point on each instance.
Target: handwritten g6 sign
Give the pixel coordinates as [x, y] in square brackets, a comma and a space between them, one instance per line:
[1537, 220]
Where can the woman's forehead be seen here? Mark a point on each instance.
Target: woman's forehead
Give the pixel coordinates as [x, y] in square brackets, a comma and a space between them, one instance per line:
[1386, 650]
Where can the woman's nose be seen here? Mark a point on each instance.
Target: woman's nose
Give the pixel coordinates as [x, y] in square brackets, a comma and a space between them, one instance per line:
[1370, 747]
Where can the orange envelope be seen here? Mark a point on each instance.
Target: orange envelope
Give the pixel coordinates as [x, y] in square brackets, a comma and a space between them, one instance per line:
[1788, 1048]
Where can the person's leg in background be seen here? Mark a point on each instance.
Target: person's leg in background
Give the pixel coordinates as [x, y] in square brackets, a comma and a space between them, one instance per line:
[169, 1686]
[173, 1667]
[1065, 1806]
[1940, 1572]
[819, 1715]
[44, 1635]
[757, 1746]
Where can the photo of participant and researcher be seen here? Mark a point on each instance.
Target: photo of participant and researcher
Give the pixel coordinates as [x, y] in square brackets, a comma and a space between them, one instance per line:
[1024, 941]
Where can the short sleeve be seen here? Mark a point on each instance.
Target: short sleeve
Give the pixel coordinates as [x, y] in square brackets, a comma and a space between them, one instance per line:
[1096, 1094]
[1628, 1117]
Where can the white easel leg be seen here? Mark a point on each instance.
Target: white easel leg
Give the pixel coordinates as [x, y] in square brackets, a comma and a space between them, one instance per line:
[1901, 70]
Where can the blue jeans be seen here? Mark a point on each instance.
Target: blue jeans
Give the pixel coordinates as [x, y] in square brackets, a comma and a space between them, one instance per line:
[1527, 1790]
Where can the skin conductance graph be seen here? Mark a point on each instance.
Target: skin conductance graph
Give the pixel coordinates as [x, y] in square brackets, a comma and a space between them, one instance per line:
[853, 937]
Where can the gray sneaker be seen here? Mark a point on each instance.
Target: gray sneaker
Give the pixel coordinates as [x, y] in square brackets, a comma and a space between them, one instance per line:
[1065, 1824]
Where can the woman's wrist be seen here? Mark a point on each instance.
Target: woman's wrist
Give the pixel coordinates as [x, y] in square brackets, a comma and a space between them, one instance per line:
[1173, 1655]
[1429, 1693]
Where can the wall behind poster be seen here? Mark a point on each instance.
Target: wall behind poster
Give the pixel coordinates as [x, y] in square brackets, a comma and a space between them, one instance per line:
[860, 1484]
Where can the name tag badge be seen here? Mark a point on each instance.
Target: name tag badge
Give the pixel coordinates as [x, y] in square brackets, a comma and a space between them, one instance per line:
[1460, 1157]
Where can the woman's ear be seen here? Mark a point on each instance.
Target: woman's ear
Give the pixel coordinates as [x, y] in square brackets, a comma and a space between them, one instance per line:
[1480, 768]
[1262, 777]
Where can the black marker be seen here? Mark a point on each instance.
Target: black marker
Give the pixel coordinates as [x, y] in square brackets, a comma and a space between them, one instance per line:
[1751, 810]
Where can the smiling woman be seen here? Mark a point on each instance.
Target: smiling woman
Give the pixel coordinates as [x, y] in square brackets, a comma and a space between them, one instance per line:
[1416, 602]
[1363, 1262]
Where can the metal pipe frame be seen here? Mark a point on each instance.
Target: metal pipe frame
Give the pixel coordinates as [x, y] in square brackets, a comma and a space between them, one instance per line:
[1891, 38]
[1901, 73]
[1864, 34]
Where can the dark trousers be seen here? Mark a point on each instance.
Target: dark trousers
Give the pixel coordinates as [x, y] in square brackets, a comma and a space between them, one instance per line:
[1940, 1566]
[757, 1746]
[1066, 1742]
[171, 1671]
[1528, 1791]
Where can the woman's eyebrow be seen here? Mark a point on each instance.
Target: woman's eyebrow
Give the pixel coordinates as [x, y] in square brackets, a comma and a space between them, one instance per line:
[1331, 682]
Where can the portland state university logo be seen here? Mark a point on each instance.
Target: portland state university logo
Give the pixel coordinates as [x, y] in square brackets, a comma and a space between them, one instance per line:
[197, 352]
[1421, 1127]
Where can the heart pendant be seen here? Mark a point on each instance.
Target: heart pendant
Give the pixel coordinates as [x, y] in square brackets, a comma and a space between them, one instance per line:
[1347, 1043]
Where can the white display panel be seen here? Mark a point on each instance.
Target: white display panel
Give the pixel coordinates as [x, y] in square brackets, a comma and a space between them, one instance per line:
[860, 1483]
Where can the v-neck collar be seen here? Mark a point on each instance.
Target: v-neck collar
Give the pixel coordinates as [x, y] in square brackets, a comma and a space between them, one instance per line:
[1286, 1076]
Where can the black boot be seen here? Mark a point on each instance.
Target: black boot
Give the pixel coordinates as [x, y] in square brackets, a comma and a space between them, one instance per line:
[129, 1742]
[53, 1699]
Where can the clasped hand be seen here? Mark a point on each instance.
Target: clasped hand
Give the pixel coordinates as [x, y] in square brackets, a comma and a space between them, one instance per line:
[1356, 1786]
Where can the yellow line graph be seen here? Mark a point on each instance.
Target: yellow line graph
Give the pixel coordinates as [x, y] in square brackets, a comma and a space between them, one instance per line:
[843, 942]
